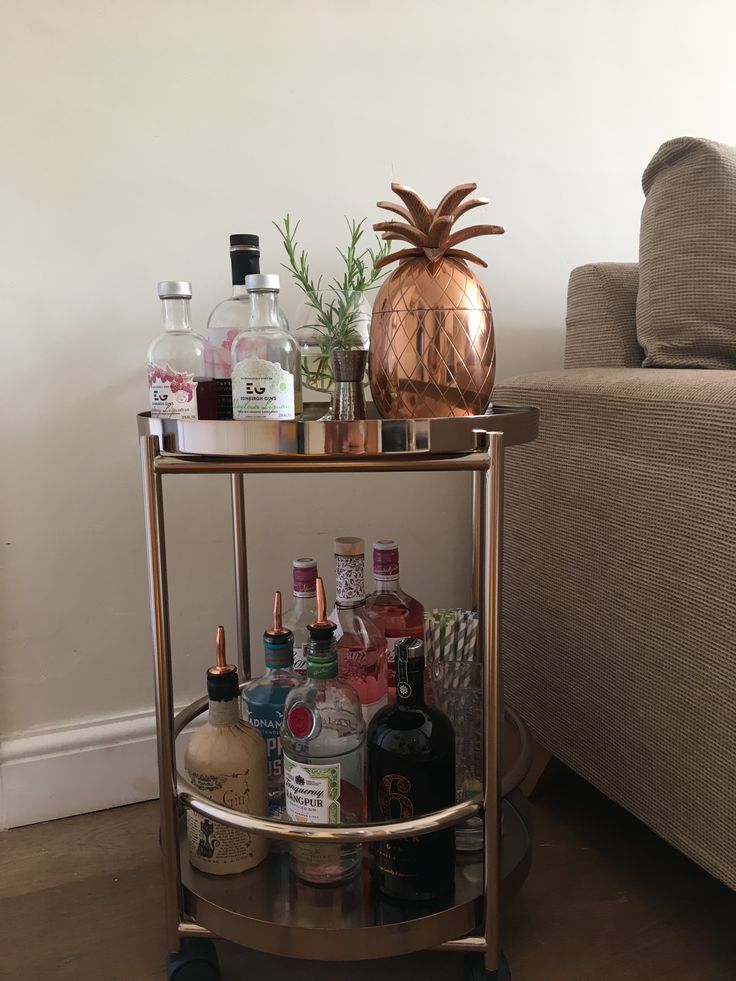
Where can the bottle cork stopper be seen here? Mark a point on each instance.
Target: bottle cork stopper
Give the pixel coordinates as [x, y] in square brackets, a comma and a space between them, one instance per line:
[349, 546]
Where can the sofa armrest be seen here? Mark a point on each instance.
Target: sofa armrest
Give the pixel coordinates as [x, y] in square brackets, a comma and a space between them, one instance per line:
[618, 611]
[601, 316]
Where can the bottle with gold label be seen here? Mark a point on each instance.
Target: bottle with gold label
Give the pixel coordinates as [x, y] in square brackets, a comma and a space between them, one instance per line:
[226, 762]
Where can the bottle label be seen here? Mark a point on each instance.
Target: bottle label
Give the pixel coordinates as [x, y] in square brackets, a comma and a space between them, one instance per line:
[349, 582]
[267, 720]
[218, 847]
[262, 390]
[171, 394]
[312, 792]
[300, 659]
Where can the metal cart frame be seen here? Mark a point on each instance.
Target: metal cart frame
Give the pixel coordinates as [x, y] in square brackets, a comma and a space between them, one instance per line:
[473, 445]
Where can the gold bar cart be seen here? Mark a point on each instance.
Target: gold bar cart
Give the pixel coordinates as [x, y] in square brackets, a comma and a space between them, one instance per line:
[264, 909]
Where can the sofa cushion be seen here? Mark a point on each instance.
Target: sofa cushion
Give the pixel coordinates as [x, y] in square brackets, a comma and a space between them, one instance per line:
[686, 305]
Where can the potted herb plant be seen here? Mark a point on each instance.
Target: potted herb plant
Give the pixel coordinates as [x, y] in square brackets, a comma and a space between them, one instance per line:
[333, 332]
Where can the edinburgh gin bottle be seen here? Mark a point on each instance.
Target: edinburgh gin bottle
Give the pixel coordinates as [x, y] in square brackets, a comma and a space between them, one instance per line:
[264, 700]
[361, 642]
[323, 740]
[230, 317]
[226, 762]
[395, 612]
[411, 771]
[303, 610]
[180, 382]
[266, 374]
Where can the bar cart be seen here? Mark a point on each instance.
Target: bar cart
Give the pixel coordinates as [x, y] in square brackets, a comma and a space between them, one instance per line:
[264, 909]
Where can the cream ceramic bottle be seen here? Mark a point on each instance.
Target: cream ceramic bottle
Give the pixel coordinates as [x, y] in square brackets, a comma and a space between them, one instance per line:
[226, 762]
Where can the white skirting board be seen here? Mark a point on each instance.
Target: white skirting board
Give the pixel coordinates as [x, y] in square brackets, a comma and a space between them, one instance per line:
[79, 768]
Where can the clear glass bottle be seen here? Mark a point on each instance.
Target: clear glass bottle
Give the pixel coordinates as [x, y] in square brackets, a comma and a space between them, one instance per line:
[230, 317]
[323, 740]
[303, 610]
[361, 642]
[397, 613]
[226, 761]
[180, 382]
[266, 373]
[264, 699]
[411, 771]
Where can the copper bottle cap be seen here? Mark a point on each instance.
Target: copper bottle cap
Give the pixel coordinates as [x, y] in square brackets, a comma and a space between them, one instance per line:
[321, 623]
[278, 629]
[221, 667]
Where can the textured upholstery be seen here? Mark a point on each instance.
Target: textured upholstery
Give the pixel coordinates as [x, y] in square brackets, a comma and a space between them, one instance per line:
[601, 316]
[619, 613]
[686, 308]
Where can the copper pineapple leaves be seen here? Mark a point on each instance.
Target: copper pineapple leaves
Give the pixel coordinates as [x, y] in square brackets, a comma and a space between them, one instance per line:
[428, 231]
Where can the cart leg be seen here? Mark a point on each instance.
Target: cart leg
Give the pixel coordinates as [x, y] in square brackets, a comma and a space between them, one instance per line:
[156, 554]
[240, 554]
[477, 536]
[490, 619]
[474, 969]
[196, 960]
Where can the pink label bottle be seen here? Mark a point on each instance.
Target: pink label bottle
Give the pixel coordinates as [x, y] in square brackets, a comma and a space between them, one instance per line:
[396, 612]
[361, 642]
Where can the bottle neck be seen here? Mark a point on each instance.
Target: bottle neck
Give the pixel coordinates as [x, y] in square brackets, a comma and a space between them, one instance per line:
[410, 683]
[349, 581]
[305, 601]
[224, 713]
[243, 262]
[321, 655]
[384, 585]
[264, 309]
[176, 313]
[239, 291]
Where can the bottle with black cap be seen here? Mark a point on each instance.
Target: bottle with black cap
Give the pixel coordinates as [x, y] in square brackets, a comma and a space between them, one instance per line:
[226, 762]
[411, 771]
[264, 699]
[231, 316]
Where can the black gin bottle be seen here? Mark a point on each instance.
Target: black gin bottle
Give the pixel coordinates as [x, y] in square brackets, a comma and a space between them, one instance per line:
[411, 771]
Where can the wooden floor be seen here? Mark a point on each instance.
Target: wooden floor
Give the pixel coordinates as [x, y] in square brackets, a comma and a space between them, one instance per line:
[80, 900]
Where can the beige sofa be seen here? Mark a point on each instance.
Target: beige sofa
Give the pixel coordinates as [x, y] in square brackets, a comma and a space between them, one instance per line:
[620, 566]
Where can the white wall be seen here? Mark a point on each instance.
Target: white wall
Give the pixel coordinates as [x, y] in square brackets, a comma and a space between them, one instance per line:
[136, 136]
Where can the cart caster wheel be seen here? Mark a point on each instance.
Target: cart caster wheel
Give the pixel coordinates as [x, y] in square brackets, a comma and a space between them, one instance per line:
[473, 969]
[196, 961]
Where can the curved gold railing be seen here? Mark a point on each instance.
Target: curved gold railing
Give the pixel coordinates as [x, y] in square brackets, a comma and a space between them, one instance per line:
[347, 833]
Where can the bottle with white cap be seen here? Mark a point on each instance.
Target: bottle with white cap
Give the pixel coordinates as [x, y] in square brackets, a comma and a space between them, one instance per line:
[266, 378]
[180, 382]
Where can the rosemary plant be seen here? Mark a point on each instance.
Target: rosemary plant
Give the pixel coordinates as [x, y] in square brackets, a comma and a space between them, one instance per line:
[337, 308]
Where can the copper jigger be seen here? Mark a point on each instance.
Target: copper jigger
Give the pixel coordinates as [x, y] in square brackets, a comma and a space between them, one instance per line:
[348, 400]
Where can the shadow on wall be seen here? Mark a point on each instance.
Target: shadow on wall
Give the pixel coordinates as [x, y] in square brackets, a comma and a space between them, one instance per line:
[522, 349]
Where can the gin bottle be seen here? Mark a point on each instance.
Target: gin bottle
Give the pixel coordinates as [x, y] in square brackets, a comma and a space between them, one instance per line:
[230, 317]
[180, 382]
[323, 739]
[303, 610]
[411, 771]
[226, 762]
[264, 702]
[266, 361]
[361, 642]
[397, 613]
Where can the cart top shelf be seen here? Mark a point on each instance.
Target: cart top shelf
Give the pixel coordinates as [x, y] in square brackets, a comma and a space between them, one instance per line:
[310, 437]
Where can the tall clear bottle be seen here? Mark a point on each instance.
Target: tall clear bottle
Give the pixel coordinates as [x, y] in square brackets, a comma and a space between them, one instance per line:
[180, 381]
[303, 610]
[266, 375]
[230, 317]
[361, 642]
[264, 699]
[396, 612]
[323, 740]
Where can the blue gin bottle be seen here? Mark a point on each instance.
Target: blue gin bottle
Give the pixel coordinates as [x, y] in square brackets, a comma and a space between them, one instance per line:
[264, 700]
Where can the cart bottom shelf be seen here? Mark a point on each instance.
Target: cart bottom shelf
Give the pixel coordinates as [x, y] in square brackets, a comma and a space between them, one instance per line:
[269, 910]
